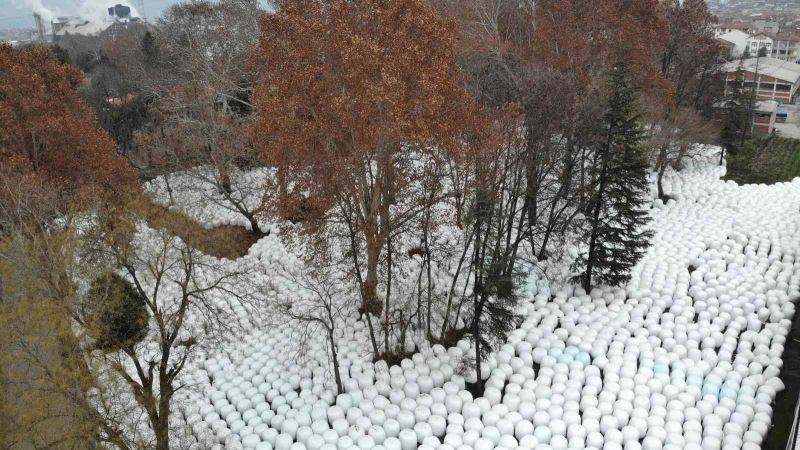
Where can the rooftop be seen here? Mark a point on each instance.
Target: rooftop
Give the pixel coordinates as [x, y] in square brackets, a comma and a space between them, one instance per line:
[766, 106]
[786, 37]
[734, 24]
[80, 26]
[773, 67]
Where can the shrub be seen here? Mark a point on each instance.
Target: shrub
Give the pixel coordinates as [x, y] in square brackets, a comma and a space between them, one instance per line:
[117, 313]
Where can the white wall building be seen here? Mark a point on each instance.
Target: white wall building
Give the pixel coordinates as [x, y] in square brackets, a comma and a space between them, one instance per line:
[786, 47]
[739, 39]
[759, 41]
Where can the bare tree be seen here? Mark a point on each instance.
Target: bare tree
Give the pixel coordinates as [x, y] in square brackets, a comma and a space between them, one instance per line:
[672, 139]
[211, 149]
[324, 304]
[200, 80]
[52, 396]
[190, 298]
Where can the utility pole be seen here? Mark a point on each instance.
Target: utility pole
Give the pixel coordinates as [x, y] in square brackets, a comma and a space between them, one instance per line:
[142, 11]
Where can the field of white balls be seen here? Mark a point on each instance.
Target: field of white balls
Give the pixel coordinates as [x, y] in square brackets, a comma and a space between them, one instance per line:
[686, 356]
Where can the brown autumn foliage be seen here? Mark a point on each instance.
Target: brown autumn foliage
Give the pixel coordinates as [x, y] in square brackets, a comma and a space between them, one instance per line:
[346, 88]
[50, 396]
[48, 131]
[691, 55]
[586, 36]
[342, 80]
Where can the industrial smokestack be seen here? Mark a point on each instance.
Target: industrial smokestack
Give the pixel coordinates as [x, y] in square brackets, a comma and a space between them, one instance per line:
[37, 18]
[120, 12]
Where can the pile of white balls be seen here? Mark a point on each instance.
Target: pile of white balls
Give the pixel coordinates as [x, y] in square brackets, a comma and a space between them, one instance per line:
[686, 356]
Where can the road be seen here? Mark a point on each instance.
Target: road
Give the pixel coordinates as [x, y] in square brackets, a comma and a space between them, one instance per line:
[790, 129]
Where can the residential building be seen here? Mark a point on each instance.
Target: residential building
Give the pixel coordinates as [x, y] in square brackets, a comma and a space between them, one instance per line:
[766, 26]
[759, 41]
[770, 78]
[786, 47]
[736, 41]
[726, 26]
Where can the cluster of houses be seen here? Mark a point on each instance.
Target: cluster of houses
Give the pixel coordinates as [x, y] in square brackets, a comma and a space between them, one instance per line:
[750, 38]
[766, 61]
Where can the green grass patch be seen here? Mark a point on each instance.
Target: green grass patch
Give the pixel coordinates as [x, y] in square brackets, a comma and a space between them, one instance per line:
[765, 160]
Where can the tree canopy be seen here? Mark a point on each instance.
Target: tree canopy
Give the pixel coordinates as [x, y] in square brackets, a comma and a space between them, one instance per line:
[48, 131]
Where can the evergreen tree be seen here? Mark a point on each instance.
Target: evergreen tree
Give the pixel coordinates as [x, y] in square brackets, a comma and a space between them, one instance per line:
[150, 49]
[617, 233]
[116, 313]
[496, 279]
[739, 105]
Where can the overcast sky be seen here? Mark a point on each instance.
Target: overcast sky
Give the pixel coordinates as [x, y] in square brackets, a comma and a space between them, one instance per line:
[17, 13]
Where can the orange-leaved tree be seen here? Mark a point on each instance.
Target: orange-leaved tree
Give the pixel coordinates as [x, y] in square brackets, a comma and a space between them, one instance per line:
[586, 36]
[349, 92]
[48, 131]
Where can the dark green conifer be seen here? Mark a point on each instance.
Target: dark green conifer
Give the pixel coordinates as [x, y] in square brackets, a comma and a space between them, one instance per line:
[150, 49]
[617, 221]
[116, 313]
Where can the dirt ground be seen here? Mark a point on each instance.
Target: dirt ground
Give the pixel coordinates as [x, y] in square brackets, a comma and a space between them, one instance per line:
[226, 241]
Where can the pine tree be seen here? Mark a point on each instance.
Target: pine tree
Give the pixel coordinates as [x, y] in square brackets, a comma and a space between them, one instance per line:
[739, 105]
[617, 233]
[150, 49]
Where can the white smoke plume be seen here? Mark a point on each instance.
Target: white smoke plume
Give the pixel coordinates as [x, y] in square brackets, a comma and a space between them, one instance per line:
[36, 6]
[97, 10]
[93, 10]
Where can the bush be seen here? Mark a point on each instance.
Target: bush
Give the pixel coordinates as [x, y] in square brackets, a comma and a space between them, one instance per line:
[765, 160]
[117, 313]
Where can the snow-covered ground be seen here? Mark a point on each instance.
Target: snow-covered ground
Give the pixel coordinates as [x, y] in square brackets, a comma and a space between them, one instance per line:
[686, 356]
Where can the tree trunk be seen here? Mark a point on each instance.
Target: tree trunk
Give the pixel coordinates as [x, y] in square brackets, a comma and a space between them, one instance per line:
[370, 289]
[662, 167]
[371, 303]
[226, 182]
[428, 268]
[477, 292]
[253, 224]
[162, 435]
[388, 294]
[587, 280]
[476, 331]
[336, 375]
[551, 224]
[357, 269]
[678, 163]
[169, 189]
[450, 294]
[161, 424]
[372, 336]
